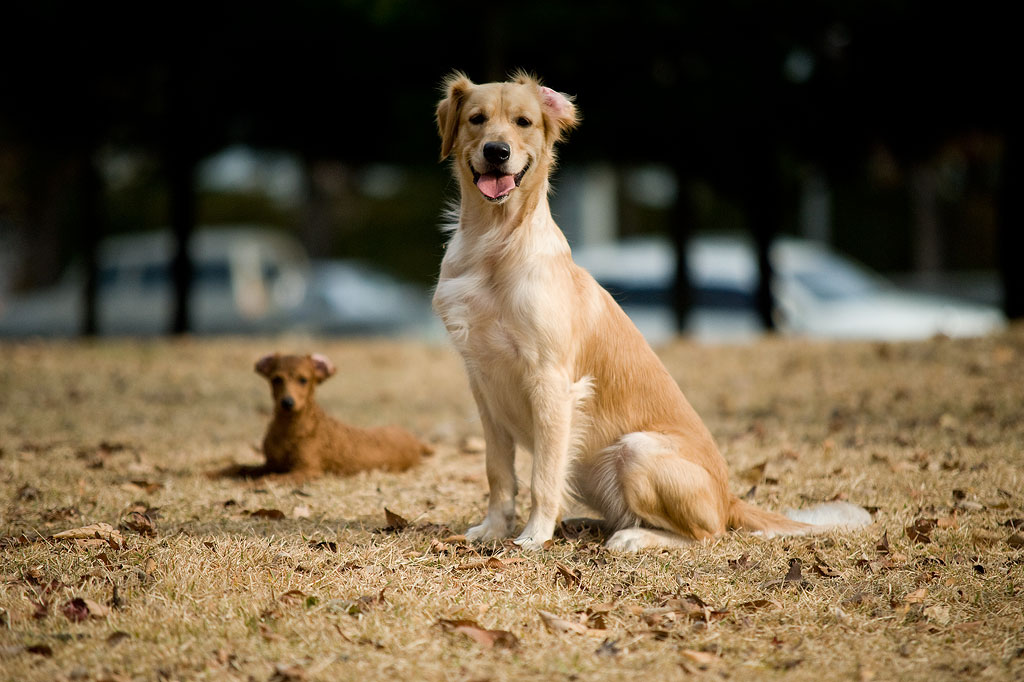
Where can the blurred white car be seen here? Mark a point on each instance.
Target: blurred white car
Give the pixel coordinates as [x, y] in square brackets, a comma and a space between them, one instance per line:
[352, 297]
[247, 279]
[818, 293]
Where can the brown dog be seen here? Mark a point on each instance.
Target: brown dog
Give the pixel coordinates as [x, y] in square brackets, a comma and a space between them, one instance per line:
[303, 441]
[554, 364]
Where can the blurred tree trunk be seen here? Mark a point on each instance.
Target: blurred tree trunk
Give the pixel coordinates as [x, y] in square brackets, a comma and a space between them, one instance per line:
[1010, 236]
[682, 228]
[181, 176]
[91, 201]
[763, 204]
[181, 133]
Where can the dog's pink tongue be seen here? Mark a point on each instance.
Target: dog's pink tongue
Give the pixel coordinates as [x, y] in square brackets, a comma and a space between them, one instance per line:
[495, 186]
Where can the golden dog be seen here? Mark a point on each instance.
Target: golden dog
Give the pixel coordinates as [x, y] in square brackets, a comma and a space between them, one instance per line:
[554, 364]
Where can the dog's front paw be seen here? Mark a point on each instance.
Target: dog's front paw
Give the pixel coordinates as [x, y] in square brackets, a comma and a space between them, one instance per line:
[528, 542]
[489, 531]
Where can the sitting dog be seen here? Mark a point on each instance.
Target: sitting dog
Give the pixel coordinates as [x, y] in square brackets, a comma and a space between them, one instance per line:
[554, 364]
[302, 441]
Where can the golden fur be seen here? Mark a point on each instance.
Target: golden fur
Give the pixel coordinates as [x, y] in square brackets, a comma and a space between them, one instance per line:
[302, 441]
[554, 364]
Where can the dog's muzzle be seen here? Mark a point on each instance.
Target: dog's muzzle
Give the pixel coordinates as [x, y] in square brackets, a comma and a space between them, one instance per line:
[494, 184]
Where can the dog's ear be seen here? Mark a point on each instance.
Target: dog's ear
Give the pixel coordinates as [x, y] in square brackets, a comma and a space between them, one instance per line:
[448, 110]
[265, 365]
[323, 367]
[560, 115]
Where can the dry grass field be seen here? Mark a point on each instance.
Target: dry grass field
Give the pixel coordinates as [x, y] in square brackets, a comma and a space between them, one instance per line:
[200, 579]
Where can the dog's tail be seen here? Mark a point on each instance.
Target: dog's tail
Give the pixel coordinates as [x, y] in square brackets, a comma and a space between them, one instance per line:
[743, 516]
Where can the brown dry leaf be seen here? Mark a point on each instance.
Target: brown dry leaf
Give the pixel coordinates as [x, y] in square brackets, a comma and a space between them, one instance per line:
[292, 595]
[1016, 541]
[95, 534]
[826, 571]
[558, 625]
[916, 597]
[493, 563]
[573, 577]
[743, 563]
[919, 530]
[394, 521]
[754, 474]
[486, 638]
[882, 546]
[79, 609]
[140, 523]
[142, 485]
[272, 514]
[326, 545]
[938, 613]
[794, 575]
[701, 658]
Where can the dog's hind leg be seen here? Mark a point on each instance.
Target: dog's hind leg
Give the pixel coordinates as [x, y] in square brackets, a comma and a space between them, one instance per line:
[674, 498]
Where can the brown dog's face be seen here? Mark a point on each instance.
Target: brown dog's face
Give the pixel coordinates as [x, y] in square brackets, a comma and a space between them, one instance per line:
[502, 135]
[292, 379]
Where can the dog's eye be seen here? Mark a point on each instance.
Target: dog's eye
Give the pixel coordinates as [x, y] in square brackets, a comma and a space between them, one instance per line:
[523, 122]
[477, 119]
[277, 381]
[303, 381]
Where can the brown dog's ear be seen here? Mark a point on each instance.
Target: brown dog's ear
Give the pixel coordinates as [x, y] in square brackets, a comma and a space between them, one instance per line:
[265, 365]
[323, 367]
[560, 115]
[455, 88]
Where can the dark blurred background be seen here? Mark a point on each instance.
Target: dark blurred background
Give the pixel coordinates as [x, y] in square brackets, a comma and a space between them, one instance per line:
[888, 131]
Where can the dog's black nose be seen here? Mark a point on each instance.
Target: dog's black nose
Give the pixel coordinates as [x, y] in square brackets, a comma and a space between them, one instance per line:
[497, 152]
[287, 402]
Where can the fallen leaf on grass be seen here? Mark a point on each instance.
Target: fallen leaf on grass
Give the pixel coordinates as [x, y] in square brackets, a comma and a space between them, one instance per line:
[140, 523]
[920, 529]
[826, 571]
[794, 576]
[117, 637]
[502, 639]
[326, 545]
[493, 563]
[394, 521]
[916, 597]
[701, 658]
[96, 534]
[14, 650]
[1016, 541]
[743, 563]
[754, 474]
[79, 609]
[358, 606]
[938, 613]
[142, 485]
[882, 546]
[558, 625]
[272, 514]
[573, 577]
